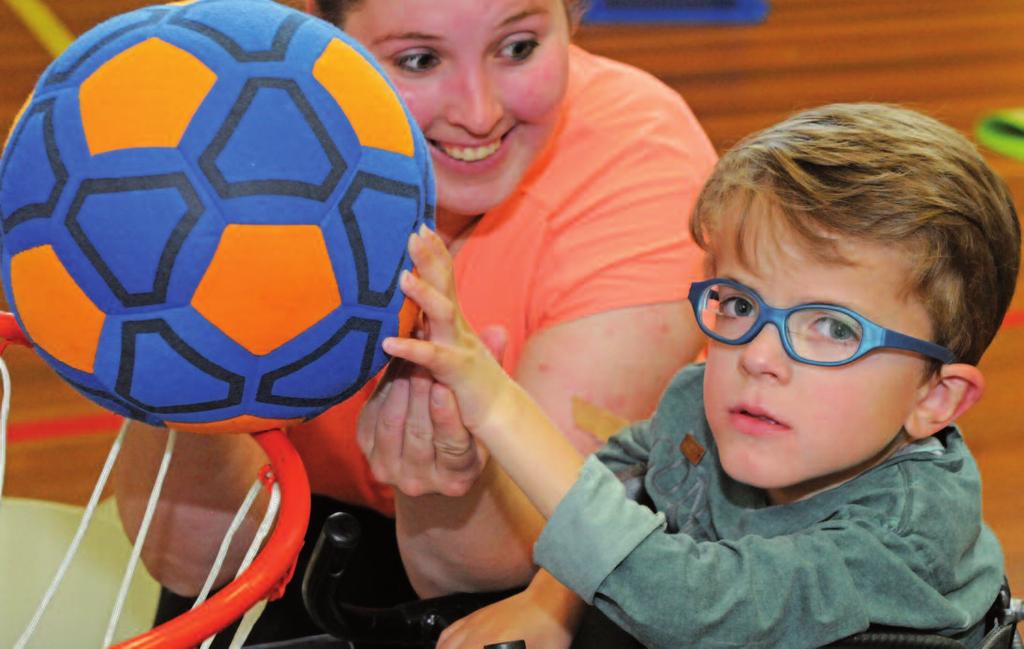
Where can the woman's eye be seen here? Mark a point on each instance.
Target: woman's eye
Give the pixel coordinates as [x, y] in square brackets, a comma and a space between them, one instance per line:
[417, 61]
[519, 50]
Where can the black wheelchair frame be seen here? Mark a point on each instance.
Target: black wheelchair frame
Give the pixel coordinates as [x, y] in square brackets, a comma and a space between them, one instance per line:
[418, 624]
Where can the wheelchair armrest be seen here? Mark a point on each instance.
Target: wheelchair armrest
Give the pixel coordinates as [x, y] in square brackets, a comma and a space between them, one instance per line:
[413, 624]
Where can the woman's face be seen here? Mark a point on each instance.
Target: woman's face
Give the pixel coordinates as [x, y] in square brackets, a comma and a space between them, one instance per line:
[483, 79]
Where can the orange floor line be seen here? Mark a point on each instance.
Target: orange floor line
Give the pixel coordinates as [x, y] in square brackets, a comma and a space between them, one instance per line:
[63, 426]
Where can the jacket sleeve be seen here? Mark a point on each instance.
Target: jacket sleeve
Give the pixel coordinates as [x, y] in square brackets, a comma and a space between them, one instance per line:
[800, 590]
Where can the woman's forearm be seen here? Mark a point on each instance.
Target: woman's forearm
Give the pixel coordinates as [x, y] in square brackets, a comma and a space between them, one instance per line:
[206, 482]
[478, 542]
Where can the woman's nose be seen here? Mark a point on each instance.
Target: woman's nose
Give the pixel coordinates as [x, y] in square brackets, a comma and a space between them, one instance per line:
[475, 105]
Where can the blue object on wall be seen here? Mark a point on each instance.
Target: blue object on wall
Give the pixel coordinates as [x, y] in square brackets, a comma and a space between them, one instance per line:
[676, 11]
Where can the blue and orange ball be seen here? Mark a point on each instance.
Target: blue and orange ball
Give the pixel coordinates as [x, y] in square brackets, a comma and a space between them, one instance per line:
[204, 208]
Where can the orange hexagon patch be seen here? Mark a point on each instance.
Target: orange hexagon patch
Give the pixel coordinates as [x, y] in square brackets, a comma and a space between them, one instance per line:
[143, 97]
[365, 97]
[235, 425]
[408, 316]
[57, 314]
[267, 284]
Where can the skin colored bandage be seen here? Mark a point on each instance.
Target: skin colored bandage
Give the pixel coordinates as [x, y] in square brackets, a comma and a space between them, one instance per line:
[597, 421]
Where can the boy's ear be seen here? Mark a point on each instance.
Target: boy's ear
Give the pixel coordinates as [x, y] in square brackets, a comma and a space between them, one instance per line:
[311, 8]
[943, 398]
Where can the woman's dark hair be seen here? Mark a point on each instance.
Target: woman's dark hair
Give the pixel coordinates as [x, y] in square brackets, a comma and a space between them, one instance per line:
[335, 11]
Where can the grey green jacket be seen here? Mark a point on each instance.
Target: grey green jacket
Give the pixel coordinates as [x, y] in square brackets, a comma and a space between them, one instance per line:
[714, 565]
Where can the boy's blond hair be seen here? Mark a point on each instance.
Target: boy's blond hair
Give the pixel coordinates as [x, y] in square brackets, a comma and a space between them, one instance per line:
[892, 176]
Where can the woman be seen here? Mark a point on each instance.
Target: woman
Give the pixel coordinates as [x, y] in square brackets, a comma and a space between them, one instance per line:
[565, 182]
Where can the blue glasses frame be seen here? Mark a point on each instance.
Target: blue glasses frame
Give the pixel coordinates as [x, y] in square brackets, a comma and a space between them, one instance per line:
[873, 336]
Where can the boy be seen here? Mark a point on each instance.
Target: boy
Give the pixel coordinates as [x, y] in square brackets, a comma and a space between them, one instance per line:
[806, 481]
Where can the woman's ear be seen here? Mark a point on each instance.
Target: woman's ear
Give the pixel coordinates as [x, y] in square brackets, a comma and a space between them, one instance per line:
[943, 398]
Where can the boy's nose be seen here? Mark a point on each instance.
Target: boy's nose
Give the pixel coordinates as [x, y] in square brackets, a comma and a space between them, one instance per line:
[765, 355]
[474, 104]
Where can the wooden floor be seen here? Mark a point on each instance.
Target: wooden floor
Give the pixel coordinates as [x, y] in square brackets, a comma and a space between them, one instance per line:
[952, 59]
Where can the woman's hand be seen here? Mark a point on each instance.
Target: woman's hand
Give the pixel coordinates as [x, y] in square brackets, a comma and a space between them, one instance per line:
[545, 615]
[412, 433]
[448, 348]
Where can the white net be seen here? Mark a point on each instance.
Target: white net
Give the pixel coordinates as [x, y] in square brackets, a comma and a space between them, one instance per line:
[98, 569]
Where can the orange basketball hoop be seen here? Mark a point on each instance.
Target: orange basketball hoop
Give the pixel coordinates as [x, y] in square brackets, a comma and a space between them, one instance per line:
[270, 570]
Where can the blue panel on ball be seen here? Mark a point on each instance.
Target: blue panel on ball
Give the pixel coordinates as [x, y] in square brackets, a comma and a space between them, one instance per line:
[145, 221]
[247, 30]
[329, 373]
[162, 373]
[385, 220]
[295, 157]
[274, 141]
[32, 174]
[378, 213]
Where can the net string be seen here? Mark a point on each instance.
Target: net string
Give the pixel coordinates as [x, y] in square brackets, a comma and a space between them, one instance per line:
[140, 538]
[225, 544]
[90, 508]
[267, 477]
[5, 410]
[253, 614]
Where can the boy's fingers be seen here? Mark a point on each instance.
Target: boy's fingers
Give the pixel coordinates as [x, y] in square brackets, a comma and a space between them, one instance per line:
[432, 259]
[438, 308]
[421, 352]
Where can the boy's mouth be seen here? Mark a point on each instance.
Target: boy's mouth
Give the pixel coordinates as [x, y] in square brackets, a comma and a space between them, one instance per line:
[757, 414]
[764, 418]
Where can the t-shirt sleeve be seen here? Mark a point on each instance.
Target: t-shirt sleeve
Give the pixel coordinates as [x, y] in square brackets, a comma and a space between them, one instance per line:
[630, 169]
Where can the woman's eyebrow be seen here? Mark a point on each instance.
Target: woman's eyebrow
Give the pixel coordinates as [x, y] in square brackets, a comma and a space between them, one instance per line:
[521, 16]
[400, 36]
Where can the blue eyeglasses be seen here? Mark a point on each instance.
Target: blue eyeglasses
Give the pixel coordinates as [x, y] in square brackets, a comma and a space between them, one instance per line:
[816, 334]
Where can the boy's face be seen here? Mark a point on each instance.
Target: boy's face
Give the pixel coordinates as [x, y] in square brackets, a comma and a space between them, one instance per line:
[795, 429]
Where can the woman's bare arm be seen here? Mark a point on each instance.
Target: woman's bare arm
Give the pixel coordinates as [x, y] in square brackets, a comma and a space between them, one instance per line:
[207, 480]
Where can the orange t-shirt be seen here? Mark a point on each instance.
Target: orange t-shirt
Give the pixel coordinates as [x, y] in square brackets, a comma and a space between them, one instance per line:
[598, 223]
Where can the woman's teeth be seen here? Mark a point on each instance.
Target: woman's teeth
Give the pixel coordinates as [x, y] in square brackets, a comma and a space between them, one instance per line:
[470, 153]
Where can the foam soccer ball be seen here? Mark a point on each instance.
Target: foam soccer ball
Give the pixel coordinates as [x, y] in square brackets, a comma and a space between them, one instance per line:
[205, 207]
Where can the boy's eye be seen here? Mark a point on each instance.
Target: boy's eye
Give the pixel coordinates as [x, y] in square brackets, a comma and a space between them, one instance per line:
[519, 50]
[837, 329]
[418, 61]
[736, 306]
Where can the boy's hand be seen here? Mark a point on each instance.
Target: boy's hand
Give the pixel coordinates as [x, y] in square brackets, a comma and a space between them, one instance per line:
[451, 351]
[518, 433]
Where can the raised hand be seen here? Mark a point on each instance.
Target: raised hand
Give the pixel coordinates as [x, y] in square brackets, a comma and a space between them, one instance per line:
[412, 433]
[449, 349]
[496, 410]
